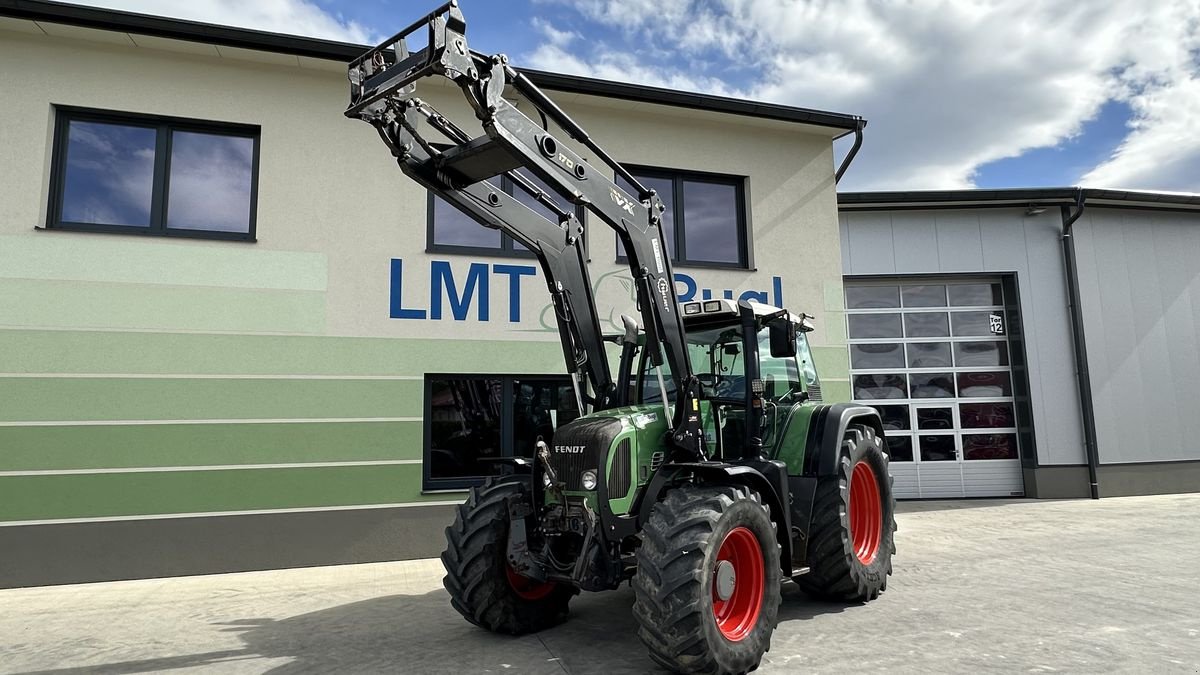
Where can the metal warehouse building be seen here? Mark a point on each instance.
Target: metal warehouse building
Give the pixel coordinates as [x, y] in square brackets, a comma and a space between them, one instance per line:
[233, 336]
[1036, 342]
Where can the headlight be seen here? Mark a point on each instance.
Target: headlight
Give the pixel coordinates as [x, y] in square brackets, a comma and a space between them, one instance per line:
[588, 480]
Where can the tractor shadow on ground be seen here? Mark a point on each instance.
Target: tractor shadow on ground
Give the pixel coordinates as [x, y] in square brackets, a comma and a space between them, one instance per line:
[422, 634]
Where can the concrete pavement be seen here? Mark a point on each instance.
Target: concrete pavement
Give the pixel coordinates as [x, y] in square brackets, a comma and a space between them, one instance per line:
[980, 586]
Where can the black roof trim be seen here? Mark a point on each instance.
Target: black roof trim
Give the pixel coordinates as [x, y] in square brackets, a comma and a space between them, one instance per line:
[916, 199]
[194, 31]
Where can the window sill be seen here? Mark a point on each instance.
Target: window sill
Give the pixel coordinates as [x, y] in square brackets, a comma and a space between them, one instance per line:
[479, 251]
[733, 267]
[162, 234]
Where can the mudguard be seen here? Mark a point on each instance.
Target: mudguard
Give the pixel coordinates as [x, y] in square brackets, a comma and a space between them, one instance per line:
[767, 477]
[827, 430]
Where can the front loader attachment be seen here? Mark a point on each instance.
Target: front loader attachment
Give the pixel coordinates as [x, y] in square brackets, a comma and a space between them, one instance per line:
[462, 169]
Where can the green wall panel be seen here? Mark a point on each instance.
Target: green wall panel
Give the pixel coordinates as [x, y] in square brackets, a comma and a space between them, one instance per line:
[102, 398]
[74, 304]
[41, 351]
[72, 257]
[834, 391]
[129, 494]
[98, 447]
[832, 362]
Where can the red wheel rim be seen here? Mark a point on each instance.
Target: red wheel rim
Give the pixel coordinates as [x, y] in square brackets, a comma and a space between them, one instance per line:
[526, 588]
[737, 615]
[866, 514]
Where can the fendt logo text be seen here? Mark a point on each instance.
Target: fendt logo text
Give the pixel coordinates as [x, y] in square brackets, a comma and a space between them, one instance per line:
[570, 449]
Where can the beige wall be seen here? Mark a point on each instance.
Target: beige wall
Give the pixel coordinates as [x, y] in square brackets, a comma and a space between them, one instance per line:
[333, 207]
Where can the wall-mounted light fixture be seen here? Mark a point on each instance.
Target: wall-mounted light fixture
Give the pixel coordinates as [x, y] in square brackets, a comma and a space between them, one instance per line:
[1034, 210]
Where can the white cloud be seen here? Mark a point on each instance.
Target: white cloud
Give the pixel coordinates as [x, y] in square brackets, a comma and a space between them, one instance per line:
[946, 86]
[295, 17]
[554, 36]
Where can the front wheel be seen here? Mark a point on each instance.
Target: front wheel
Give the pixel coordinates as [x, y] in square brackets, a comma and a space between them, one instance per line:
[707, 584]
[482, 586]
[852, 540]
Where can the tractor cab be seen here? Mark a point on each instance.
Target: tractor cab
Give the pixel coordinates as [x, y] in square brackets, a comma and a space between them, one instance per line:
[753, 362]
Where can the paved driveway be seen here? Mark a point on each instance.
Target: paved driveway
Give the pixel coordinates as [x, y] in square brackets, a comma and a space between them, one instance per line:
[980, 586]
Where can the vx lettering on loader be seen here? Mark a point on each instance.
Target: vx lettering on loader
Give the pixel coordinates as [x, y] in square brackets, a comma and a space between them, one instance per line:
[746, 477]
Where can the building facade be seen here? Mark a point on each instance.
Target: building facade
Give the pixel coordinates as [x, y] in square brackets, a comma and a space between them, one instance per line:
[234, 336]
[1028, 342]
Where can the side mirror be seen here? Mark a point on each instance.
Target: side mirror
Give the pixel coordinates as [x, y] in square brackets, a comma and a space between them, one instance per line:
[783, 339]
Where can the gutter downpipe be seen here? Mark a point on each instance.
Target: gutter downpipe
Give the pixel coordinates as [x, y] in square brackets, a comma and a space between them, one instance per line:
[858, 138]
[1082, 375]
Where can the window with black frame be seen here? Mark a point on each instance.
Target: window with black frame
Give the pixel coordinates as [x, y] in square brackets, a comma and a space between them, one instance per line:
[471, 420]
[141, 174]
[452, 231]
[704, 223]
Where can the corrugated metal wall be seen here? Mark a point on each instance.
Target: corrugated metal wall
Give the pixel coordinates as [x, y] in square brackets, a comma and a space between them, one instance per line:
[1139, 274]
[999, 241]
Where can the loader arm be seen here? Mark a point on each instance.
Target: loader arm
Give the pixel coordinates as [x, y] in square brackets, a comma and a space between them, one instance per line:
[382, 93]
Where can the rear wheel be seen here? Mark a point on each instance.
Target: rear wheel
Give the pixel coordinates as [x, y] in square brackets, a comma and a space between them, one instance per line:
[852, 540]
[482, 585]
[707, 582]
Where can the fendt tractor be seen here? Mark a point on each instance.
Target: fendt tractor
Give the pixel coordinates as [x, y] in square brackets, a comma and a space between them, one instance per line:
[707, 470]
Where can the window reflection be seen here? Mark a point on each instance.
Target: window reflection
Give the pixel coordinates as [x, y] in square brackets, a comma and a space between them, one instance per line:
[938, 448]
[109, 177]
[928, 354]
[875, 326]
[975, 295]
[981, 385]
[464, 426]
[872, 297]
[881, 355]
[932, 385]
[986, 415]
[935, 419]
[880, 386]
[710, 222]
[989, 446]
[980, 354]
[210, 182]
[924, 296]
[971, 324]
[899, 448]
[895, 417]
[452, 227]
[926, 324]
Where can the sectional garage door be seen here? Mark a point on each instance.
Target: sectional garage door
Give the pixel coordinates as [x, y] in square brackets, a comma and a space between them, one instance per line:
[933, 356]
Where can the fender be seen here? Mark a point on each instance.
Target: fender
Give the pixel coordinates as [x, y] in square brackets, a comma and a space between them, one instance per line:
[826, 431]
[766, 477]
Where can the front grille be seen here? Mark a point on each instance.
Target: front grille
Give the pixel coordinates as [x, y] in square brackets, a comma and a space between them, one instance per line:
[594, 435]
[570, 467]
[618, 478]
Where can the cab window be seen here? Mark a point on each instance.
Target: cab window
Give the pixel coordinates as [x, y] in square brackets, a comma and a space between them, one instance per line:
[808, 369]
[780, 376]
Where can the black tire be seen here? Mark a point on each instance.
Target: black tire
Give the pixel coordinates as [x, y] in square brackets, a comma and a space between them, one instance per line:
[837, 572]
[673, 586]
[477, 572]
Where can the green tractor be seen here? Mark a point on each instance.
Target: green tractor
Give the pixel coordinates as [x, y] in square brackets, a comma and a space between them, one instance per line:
[706, 470]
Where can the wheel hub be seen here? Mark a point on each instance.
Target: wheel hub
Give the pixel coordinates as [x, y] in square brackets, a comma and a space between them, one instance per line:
[866, 513]
[738, 581]
[724, 579]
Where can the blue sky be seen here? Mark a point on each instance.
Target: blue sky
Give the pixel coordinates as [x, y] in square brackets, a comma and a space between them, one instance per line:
[958, 93]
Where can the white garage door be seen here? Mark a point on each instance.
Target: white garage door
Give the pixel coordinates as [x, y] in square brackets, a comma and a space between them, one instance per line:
[933, 357]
